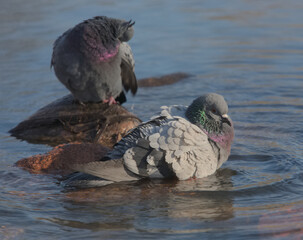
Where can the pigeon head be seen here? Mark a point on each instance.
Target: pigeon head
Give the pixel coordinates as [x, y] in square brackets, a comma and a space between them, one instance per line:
[121, 29]
[100, 37]
[108, 29]
[209, 112]
[127, 31]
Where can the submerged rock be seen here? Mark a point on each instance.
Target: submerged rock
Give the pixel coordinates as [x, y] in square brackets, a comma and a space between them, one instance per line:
[95, 127]
[163, 80]
[65, 120]
[59, 159]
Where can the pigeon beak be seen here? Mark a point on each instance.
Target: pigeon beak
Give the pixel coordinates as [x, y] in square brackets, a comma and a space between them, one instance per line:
[225, 119]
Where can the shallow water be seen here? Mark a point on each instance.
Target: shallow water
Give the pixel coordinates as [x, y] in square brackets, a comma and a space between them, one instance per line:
[249, 51]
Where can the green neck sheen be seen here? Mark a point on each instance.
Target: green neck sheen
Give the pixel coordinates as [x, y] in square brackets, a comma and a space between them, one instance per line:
[201, 118]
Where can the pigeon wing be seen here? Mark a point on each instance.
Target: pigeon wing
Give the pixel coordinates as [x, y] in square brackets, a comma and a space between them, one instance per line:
[161, 148]
[128, 76]
[112, 167]
[111, 170]
[83, 180]
[175, 148]
[66, 62]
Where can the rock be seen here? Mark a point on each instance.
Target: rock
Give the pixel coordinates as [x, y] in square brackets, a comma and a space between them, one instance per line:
[65, 120]
[62, 156]
[164, 80]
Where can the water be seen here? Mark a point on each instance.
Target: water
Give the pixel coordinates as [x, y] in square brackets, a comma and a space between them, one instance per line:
[249, 51]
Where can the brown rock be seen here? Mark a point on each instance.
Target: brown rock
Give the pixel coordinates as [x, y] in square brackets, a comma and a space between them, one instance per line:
[65, 120]
[164, 80]
[60, 158]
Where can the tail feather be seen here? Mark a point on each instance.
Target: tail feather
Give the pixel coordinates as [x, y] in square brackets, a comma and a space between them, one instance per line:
[128, 76]
[112, 170]
[83, 180]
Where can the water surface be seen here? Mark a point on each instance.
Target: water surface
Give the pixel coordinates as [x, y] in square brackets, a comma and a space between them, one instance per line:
[249, 51]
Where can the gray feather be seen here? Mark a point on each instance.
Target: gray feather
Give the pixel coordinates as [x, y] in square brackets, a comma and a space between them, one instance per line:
[112, 170]
[83, 180]
[182, 142]
[92, 62]
[128, 76]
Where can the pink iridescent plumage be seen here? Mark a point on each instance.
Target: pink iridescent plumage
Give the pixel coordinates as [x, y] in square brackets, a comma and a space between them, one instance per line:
[94, 61]
[109, 54]
[224, 140]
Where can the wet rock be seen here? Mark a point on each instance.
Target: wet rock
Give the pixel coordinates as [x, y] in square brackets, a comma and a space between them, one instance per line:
[95, 127]
[65, 120]
[163, 80]
[60, 158]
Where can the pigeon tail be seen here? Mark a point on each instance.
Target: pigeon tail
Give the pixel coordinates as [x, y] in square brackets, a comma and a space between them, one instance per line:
[112, 170]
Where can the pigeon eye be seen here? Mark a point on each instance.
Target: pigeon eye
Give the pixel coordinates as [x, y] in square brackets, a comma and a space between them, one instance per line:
[213, 110]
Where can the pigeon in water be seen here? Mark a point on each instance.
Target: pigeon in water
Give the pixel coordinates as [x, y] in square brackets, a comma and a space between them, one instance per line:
[183, 142]
[94, 61]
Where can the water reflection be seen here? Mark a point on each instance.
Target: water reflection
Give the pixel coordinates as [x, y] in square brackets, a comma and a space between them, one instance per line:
[10, 232]
[203, 199]
[122, 224]
[194, 200]
[277, 223]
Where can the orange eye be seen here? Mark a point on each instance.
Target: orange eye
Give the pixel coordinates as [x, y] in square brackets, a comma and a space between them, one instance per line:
[214, 110]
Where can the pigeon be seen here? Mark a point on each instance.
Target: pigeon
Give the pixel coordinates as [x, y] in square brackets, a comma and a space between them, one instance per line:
[181, 142]
[94, 61]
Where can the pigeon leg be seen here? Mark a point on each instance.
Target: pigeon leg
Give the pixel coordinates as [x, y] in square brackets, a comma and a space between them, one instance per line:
[110, 101]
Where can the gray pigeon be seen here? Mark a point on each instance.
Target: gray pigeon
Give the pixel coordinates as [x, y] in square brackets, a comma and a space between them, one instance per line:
[93, 61]
[182, 142]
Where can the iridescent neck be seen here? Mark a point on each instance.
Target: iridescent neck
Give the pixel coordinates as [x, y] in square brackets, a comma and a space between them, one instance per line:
[224, 139]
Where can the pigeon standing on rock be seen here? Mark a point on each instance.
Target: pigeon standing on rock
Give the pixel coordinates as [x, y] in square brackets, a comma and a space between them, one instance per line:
[183, 142]
[94, 61]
